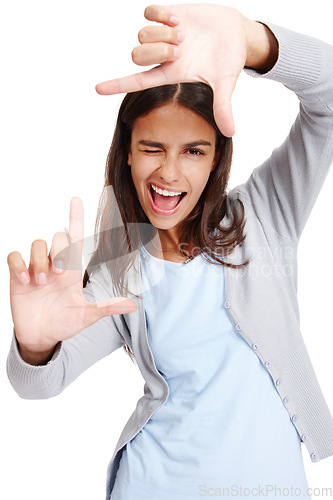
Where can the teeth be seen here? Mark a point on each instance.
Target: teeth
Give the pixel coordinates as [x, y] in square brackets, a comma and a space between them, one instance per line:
[164, 192]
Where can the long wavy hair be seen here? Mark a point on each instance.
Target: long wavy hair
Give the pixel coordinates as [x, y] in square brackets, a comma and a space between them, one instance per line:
[121, 221]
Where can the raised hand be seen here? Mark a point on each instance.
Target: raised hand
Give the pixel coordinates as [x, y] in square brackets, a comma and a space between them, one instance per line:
[47, 300]
[211, 48]
[198, 42]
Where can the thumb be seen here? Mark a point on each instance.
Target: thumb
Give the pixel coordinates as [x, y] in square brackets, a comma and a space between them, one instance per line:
[109, 307]
[223, 110]
[154, 77]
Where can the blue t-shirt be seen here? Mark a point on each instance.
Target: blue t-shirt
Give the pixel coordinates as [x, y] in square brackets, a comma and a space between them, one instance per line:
[223, 425]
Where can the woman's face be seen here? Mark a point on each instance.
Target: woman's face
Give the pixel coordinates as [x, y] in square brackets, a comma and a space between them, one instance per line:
[172, 149]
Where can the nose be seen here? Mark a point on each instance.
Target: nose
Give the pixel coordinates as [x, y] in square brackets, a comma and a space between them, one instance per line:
[169, 171]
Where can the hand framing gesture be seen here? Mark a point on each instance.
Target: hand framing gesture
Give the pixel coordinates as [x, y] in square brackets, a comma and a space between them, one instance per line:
[197, 42]
[47, 301]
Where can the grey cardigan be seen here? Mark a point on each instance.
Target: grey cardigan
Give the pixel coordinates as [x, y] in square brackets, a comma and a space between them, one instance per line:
[261, 299]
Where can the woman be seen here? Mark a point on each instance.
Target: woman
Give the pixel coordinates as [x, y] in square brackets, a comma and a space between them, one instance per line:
[212, 318]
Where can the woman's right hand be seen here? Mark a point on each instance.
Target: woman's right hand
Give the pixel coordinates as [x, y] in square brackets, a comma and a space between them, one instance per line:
[50, 306]
[216, 43]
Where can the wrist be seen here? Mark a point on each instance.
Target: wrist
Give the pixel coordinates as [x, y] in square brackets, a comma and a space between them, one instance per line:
[262, 47]
[37, 355]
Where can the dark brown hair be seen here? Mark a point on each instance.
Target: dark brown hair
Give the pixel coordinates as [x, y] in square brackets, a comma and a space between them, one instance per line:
[119, 207]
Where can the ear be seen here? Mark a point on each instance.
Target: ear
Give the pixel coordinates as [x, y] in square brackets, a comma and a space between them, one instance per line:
[129, 158]
[217, 156]
[215, 161]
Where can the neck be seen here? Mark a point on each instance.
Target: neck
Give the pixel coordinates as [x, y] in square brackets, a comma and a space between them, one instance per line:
[166, 245]
[168, 240]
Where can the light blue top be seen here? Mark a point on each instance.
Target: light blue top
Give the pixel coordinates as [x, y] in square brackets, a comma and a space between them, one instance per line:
[224, 424]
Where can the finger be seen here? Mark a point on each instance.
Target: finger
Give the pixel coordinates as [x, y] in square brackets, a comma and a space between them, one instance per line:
[39, 261]
[59, 253]
[155, 53]
[76, 223]
[161, 14]
[108, 307]
[76, 232]
[17, 268]
[139, 81]
[223, 110]
[153, 34]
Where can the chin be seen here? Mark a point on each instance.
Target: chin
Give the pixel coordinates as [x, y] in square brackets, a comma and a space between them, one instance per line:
[163, 225]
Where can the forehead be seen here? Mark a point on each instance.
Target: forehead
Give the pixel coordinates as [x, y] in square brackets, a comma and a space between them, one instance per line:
[173, 122]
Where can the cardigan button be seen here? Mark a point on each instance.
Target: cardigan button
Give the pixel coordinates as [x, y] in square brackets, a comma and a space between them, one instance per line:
[278, 381]
[294, 418]
[255, 347]
[304, 437]
[268, 364]
[313, 457]
[227, 305]
[285, 400]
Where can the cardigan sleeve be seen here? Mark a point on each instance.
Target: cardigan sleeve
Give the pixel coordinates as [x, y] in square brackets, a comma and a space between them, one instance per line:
[71, 357]
[285, 187]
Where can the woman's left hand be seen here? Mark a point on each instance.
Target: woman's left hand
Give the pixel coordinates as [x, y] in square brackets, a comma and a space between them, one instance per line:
[214, 45]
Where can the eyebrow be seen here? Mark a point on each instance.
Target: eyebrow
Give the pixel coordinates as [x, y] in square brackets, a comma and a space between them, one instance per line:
[193, 144]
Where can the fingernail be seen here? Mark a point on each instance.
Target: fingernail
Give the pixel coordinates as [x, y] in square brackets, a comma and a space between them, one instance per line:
[176, 52]
[41, 278]
[180, 36]
[25, 278]
[174, 20]
[59, 266]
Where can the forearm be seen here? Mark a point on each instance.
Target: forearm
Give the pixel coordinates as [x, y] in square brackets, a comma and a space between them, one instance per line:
[289, 181]
[35, 380]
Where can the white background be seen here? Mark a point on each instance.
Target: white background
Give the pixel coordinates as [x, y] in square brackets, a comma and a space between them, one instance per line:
[55, 135]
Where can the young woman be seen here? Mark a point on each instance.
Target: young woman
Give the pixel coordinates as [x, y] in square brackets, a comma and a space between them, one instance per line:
[198, 284]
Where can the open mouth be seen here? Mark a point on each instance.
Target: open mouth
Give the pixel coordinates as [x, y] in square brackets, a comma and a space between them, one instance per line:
[163, 203]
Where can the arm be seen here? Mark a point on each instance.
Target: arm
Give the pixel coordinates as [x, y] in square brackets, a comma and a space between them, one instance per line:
[71, 357]
[285, 187]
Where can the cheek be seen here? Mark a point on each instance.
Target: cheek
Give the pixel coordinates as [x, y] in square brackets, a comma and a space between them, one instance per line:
[142, 167]
[139, 173]
[200, 180]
